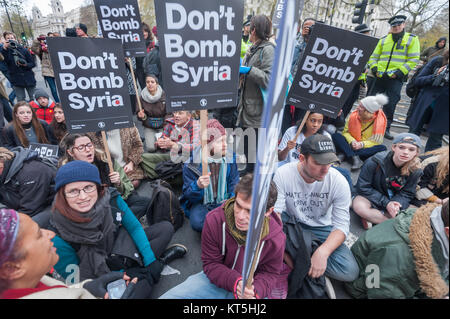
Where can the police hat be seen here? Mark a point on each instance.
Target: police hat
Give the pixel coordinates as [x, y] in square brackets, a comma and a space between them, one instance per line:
[362, 28]
[396, 20]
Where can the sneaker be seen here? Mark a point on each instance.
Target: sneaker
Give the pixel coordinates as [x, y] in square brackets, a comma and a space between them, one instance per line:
[173, 252]
[329, 288]
[366, 224]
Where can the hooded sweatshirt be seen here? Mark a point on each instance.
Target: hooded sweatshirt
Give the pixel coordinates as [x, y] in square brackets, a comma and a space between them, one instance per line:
[223, 257]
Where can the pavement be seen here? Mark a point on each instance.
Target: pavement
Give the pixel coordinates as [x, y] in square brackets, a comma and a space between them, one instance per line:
[190, 264]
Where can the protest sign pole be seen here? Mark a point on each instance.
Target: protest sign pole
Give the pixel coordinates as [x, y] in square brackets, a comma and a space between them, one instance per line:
[301, 125]
[204, 139]
[135, 84]
[108, 155]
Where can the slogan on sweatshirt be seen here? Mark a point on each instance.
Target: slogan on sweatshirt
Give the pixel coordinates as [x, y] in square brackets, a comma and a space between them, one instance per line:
[91, 79]
[330, 66]
[200, 48]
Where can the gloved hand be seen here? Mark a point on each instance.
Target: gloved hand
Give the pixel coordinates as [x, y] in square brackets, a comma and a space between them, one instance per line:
[244, 69]
[374, 70]
[97, 287]
[152, 272]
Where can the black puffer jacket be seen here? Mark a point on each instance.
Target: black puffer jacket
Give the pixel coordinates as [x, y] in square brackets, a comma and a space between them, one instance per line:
[27, 183]
[373, 183]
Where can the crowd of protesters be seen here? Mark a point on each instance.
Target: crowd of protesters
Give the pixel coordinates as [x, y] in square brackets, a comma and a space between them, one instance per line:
[81, 207]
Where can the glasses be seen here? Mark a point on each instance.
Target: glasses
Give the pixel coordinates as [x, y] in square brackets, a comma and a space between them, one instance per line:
[76, 192]
[82, 147]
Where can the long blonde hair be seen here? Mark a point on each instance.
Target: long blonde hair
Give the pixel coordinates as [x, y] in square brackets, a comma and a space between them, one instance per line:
[442, 168]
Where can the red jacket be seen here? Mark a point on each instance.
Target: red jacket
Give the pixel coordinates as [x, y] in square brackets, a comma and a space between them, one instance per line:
[43, 113]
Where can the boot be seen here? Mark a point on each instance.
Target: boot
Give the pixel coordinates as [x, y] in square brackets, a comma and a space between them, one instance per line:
[173, 252]
[357, 163]
[388, 135]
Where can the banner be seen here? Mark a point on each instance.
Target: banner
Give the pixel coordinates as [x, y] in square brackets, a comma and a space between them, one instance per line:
[278, 13]
[200, 52]
[45, 150]
[92, 84]
[120, 19]
[272, 119]
[329, 68]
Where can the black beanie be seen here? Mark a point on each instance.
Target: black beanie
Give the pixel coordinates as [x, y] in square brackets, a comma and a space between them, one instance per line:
[82, 27]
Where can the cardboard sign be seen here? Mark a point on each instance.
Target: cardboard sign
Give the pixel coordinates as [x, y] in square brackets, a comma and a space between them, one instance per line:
[92, 83]
[267, 158]
[45, 150]
[330, 66]
[120, 19]
[200, 52]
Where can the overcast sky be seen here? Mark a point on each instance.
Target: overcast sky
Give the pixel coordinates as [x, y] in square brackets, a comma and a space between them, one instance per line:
[44, 5]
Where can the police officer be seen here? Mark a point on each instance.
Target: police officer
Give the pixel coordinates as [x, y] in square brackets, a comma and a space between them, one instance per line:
[394, 57]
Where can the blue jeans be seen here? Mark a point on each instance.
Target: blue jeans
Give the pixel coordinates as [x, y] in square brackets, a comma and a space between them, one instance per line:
[51, 83]
[197, 286]
[364, 153]
[341, 264]
[198, 214]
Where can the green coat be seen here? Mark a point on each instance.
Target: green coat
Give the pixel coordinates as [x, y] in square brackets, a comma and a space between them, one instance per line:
[388, 246]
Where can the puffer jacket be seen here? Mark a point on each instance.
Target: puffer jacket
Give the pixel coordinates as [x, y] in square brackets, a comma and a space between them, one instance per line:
[407, 254]
[372, 182]
[251, 103]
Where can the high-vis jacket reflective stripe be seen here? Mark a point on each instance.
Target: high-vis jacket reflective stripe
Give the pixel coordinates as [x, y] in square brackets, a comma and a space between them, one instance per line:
[389, 57]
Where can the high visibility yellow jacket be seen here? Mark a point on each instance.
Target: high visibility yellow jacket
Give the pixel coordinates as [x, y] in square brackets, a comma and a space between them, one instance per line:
[388, 57]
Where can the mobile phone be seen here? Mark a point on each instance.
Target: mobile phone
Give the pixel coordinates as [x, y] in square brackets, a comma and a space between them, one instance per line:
[116, 289]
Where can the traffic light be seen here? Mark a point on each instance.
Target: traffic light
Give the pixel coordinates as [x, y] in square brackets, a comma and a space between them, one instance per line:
[358, 14]
[23, 36]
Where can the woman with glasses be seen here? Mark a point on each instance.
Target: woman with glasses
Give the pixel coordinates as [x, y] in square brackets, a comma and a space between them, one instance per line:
[26, 128]
[96, 233]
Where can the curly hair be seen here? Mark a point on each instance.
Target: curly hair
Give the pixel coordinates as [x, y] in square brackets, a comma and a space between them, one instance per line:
[442, 168]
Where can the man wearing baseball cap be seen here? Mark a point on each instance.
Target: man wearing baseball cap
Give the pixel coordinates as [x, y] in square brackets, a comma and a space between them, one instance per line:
[387, 181]
[316, 197]
[395, 55]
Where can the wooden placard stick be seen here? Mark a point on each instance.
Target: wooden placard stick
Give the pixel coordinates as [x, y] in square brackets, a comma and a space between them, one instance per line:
[130, 62]
[108, 154]
[204, 139]
[301, 125]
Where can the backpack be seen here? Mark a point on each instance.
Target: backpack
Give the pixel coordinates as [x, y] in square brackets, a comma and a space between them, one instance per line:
[164, 205]
[168, 170]
[411, 89]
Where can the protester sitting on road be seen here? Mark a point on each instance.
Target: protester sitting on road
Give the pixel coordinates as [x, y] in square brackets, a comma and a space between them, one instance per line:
[364, 131]
[431, 105]
[223, 246]
[180, 136]
[58, 123]
[317, 197]
[153, 114]
[288, 149]
[26, 128]
[125, 146]
[27, 255]
[43, 106]
[434, 183]
[26, 183]
[20, 65]
[254, 76]
[81, 147]
[203, 193]
[387, 181]
[95, 230]
[409, 254]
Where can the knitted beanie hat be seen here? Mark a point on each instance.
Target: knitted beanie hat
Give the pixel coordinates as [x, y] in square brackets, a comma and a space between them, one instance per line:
[76, 171]
[82, 26]
[374, 103]
[215, 130]
[40, 93]
[9, 227]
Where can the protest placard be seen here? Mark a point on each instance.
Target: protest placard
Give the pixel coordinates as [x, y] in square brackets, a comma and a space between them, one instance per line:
[91, 79]
[329, 68]
[200, 52]
[120, 19]
[45, 150]
[268, 140]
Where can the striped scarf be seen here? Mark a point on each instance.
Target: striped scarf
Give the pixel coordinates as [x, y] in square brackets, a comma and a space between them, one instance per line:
[217, 188]
[378, 130]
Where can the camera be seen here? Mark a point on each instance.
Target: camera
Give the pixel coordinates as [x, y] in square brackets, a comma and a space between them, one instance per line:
[441, 79]
[13, 44]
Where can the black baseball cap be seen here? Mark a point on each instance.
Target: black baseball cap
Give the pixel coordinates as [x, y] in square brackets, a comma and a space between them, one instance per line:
[321, 148]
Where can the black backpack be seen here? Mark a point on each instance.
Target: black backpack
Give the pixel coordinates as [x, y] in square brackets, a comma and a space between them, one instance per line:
[164, 205]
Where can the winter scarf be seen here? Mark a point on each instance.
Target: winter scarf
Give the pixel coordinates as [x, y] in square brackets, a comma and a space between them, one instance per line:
[149, 98]
[217, 189]
[379, 126]
[238, 235]
[96, 237]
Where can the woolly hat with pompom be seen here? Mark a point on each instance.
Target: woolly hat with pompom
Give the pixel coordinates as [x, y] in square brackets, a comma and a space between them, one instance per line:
[374, 103]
